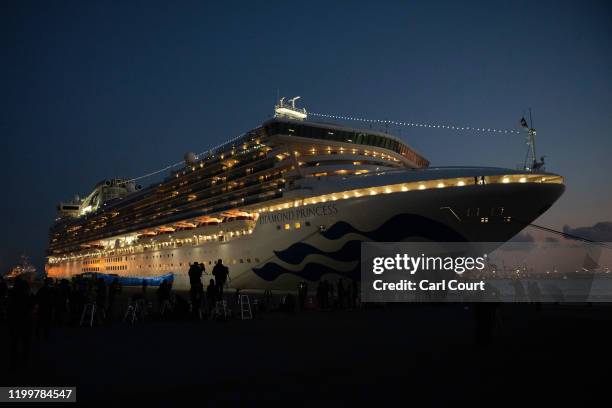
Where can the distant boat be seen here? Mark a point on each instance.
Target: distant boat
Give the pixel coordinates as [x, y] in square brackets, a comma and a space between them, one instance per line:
[24, 270]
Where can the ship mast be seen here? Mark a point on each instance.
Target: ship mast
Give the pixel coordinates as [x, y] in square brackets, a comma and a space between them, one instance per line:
[532, 163]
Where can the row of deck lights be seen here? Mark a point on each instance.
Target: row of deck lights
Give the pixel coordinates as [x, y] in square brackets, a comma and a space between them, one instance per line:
[324, 198]
[131, 249]
[386, 190]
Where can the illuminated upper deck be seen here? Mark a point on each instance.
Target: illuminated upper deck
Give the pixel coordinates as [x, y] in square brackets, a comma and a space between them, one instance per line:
[257, 167]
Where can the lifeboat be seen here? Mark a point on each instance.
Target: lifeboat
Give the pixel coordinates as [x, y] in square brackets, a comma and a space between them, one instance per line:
[185, 226]
[165, 230]
[147, 234]
[206, 221]
[238, 216]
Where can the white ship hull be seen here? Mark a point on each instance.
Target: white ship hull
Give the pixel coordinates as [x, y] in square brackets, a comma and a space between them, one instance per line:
[321, 240]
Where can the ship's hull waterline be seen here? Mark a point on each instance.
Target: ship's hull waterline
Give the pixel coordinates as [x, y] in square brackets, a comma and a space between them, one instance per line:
[321, 240]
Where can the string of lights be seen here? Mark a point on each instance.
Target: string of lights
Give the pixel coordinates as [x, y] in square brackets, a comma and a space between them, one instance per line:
[153, 173]
[413, 124]
[210, 151]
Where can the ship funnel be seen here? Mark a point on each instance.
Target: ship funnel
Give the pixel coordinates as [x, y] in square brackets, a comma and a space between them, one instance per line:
[289, 111]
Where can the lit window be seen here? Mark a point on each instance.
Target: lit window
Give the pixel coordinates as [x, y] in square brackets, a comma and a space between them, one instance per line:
[287, 226]
[298, 225]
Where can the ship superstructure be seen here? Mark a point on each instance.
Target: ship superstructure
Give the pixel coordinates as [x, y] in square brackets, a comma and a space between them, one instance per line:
[290, 200]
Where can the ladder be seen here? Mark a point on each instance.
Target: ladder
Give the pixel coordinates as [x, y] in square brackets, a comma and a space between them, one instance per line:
[89, 311]
[245, 308]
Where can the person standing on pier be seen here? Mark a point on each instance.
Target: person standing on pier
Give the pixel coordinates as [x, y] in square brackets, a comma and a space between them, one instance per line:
[221, 273]
[113, 289]
[197, 290]
[211, 294]
[45, 299]
[195, 273]
[144, 289]
[19, 311]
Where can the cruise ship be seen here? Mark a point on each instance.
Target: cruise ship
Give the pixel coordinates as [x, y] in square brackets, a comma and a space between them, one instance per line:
[286, 202]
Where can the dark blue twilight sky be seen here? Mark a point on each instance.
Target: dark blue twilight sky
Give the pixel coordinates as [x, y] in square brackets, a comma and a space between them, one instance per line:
[91, 90]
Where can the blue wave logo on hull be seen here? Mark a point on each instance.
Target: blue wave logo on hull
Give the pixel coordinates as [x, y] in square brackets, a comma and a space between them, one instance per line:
[401, 227]
[311, 271]
[296, 253]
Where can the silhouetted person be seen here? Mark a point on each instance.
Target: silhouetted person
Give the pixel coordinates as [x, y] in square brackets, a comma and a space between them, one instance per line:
[62, 300]
[46, 302]
[341, 294]
[19, 313]
[519, 291]
[211, 295]
[320, 294]
[163, 291]
[163, 295]
[196, 293]
[533, 290]
[354, 293]
[326, 294]
[100, 296]
[289, 303]
[113, 290]
[302, 292]
[195, 274]
[144, 289]
[3, 297]
[220, 272]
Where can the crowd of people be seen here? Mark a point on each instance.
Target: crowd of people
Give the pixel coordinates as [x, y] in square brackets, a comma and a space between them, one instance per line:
[92, 300]
[203, 302]
[346, 294]
[56, 303]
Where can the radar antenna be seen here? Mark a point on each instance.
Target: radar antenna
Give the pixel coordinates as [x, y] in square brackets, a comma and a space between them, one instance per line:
[292, 100]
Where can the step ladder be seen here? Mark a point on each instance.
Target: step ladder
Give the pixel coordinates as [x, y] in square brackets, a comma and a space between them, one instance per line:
[245, 308]
[89, 312]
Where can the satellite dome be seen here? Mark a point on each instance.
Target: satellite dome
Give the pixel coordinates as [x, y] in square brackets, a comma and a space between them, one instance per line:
[190, 158]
